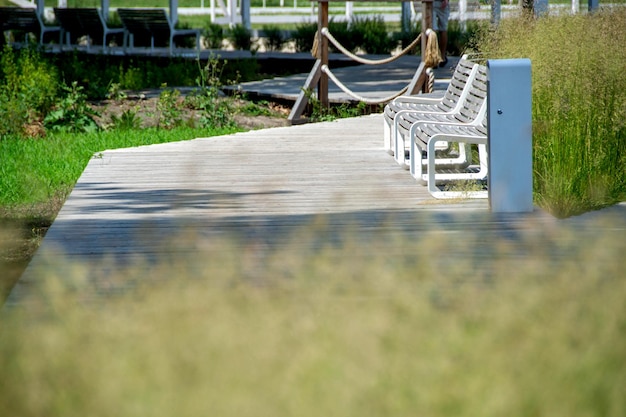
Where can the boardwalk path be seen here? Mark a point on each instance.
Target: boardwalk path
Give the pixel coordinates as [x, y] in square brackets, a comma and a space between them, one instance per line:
[262, 189]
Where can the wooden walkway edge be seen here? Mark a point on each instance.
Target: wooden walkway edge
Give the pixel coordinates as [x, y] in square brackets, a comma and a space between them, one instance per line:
[261, 187]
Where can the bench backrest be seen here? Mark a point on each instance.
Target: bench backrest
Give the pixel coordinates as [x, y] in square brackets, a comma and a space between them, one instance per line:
[461, 76]
[146, 21]
[475, 102]
[20, 18]
[80, 20]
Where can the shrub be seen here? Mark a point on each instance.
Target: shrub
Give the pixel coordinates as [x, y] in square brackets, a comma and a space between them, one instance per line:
[72, 113]
[274, 38]
[213, 35]
[240, 37]
[460, 40]
[216, 112]
[404, 39]
[579, 104]
[304, 36]
[370, 34]
[341, 32]
[28, 89]
[169, 112]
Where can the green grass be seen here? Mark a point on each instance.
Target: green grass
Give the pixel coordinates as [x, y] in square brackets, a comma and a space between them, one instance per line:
[333, 331]
[579, 105]
[34, 170]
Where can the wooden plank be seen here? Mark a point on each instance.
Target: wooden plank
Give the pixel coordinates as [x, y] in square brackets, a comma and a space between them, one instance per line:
[264, 186]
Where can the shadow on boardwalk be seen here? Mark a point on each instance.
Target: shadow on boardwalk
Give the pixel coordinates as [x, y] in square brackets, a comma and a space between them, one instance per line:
[299, 189]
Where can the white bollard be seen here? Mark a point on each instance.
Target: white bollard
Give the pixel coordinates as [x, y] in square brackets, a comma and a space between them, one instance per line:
[509, 107]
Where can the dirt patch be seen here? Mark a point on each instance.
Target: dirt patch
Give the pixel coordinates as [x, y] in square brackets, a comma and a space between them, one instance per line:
[149, 109]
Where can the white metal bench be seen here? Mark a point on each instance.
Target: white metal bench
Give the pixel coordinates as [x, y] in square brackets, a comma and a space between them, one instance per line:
[449, 102]
[24, 19]
[471, 110]
[78, 21]
[154, 24]
[422, 153]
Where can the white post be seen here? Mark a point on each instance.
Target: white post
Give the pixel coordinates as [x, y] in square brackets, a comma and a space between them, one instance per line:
[348, 11]
[212, 10]
[575, 7]
[104, 8]
[509, 107]
[245, 14]
[541, 8]
[174, 11]
[40, 8]
[463, 14]
[232, 12]
[496, 12]
[62, 4]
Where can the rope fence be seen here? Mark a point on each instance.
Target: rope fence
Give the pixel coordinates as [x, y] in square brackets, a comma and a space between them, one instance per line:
[432, 57]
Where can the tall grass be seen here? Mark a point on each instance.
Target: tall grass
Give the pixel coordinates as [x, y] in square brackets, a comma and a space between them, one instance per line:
[579, 104]
[337, 330]
[34, 170]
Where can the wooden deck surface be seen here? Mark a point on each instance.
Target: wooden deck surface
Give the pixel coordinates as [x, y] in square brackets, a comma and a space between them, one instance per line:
[369, 81]
[264, 189]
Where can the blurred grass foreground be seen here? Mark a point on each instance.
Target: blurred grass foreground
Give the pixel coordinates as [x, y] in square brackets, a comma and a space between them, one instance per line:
[531, 323]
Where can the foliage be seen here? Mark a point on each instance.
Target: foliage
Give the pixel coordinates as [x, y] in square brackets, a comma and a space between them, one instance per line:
[240, 37]
[127, 120]
[341, 32]
[28, 89]
[213, 35]
[255, 109]
[169, 111]
[216, 112]
[116, 93]
[72, 113]
[132, 78]
[579, 104]
[459, 40]
[370, 34]
[404, 39]
[304, 36]
[93, 73]
[274, 38]
[319, 113]
[328, 324]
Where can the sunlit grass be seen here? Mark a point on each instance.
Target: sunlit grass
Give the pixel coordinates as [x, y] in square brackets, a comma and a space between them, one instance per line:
[536, 327]
[34, 170]
[579, 105]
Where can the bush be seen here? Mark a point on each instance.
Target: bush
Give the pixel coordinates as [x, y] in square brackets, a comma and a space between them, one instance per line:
[459, 41]
[28, 89]
[579, 104]
[303, 36]
[274, 38]
[216, 112]
[240, 37]
[72, 113]
[342, 33]
[213, 35]
[404, 39]
[371, 35]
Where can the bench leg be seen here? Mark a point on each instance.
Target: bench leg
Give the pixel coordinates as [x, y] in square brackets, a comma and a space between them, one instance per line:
[433, 176]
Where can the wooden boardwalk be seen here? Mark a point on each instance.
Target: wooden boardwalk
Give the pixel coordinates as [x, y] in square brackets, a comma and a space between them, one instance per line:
[262, 189]
[369, 81]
